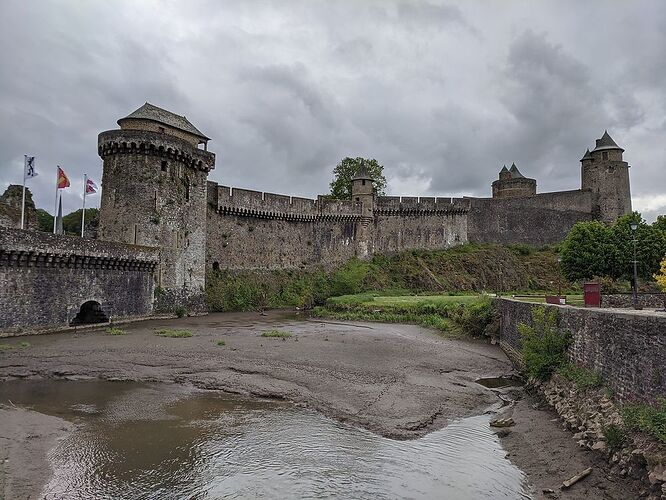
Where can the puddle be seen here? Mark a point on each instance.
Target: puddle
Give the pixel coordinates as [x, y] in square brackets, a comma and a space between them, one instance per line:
[142, 441]
[499, 382]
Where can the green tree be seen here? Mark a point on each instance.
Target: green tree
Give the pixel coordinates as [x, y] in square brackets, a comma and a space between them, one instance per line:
[44, 220]
[588, 251]
[344, 172]
[650, 246]
[71, 222]
[660, 223]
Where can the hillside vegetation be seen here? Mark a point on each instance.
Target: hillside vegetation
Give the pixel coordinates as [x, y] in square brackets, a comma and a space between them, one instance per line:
[466, 268]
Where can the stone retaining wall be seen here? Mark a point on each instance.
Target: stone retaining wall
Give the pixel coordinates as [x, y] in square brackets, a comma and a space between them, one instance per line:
[626, 300]
[45, 279]
[627, 348]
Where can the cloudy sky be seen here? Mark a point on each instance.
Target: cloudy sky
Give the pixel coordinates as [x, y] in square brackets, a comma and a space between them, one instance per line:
[441, 93]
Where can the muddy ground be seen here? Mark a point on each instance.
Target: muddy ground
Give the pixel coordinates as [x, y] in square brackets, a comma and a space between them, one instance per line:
[400, 381]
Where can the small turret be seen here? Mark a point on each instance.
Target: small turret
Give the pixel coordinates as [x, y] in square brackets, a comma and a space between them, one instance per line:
[512, 184]
[363, 190]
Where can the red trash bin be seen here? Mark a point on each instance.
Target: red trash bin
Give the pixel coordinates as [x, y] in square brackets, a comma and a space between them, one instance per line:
[592, 294]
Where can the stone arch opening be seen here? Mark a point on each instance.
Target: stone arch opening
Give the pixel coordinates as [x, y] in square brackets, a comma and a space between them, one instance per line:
[90, 313]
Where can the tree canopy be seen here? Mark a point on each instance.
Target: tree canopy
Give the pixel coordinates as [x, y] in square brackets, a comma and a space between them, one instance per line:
[344, 172]
[595, 249]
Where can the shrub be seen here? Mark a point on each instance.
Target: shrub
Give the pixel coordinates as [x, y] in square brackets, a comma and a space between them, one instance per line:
[543, 344]
[181, 311]
[174, 334]
[221, 342]
[614, 436]
[647, 418]
[349, 279]
[473, 318]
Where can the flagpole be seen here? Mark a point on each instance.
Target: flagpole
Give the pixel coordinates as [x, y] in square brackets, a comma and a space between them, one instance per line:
[55, 210]
[25, 164]
[83, 215]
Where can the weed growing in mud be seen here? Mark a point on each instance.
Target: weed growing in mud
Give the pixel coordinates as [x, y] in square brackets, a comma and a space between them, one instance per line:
[276, 334]
[221, 342]
[173, 334]
[614, 436]
[647, 418]
[544, 345]
[582, 377]
[115, 331]
[8, 347]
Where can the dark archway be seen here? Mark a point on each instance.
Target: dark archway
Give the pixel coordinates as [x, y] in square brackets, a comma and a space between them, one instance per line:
[216, 266]
[90, 313]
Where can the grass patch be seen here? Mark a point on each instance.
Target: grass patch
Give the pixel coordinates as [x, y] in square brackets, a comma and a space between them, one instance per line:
[583, 378]
[173, 334]
[221, 342]
[116, 331]
[650, 419]
[9, 347]
[276, 334]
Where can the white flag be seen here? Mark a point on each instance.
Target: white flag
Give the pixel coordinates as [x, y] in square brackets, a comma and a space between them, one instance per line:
[29, 167]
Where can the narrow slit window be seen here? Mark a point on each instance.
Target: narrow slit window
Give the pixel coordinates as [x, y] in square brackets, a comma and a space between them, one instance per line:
[164, 166]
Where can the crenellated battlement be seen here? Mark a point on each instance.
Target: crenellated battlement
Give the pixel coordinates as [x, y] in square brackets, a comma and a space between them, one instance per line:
[421, 206]
[140, 142]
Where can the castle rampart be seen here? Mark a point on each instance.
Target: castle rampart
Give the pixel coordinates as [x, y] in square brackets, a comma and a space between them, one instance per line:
[46, 279]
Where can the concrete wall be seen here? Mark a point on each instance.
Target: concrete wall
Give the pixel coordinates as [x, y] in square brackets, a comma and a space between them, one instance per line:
[628, 349]
[44, 279]
[536, 220]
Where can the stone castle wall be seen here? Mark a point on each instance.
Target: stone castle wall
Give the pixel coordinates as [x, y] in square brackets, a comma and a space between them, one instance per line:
[626, 348]
[535, 220]
[44, 279]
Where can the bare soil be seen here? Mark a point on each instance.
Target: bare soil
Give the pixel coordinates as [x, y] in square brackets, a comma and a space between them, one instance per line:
[400, 381]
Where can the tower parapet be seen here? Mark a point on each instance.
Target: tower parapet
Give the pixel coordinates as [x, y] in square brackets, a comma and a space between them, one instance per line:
[606, 174]
[154, 194]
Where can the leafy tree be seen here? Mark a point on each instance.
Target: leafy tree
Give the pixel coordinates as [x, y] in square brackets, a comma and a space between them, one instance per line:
[595, 249]
[660, 223]
[589, 251]
[344, 172]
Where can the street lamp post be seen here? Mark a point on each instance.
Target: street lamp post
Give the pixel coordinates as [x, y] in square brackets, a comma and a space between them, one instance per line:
[633, 227]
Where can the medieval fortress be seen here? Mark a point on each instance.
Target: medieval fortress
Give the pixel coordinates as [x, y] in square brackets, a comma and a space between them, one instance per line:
[163, 226]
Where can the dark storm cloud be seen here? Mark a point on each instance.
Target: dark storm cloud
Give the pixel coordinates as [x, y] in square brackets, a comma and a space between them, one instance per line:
[441, 93]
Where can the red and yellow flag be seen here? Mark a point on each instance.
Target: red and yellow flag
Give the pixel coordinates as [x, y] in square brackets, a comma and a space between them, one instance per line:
[63, 180]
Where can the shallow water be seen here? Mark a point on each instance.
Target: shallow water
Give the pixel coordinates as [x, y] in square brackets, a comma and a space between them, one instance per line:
[157, 441]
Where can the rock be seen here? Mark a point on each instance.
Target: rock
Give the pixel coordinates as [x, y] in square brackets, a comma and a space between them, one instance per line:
[502, 422]
[599, 445]
[578, 436]
[502, 433]
[548, 491]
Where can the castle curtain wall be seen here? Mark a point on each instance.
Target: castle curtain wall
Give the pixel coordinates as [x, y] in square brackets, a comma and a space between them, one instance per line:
[536, 220]
[45, 279]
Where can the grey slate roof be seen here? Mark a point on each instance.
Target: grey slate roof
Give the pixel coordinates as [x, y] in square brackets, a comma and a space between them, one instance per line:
[515, 173]
[606, 142]
[362, 173]
[157, 114]
[587, 155]
[504, 169]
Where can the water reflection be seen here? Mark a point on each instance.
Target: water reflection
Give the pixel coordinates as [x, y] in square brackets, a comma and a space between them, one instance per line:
[141, 441]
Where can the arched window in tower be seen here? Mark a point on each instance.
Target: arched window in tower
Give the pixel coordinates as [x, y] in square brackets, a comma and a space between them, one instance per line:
[164, 166]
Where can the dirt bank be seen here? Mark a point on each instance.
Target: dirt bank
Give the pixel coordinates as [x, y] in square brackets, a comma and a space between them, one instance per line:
[25, 438]
[400, 381]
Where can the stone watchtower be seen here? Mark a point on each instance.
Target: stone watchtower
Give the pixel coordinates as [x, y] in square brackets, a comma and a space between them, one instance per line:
[363, 195]
[154, 194]
[605, 174]
[512, 184]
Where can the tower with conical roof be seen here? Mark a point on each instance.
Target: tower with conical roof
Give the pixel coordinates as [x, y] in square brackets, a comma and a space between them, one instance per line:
[154, 194]
[363, 191]
[513, 184]
[606, 175]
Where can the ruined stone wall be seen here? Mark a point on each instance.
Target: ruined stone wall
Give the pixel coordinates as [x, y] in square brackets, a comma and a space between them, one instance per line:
[44, 280]
[628, 349]
[10, 208]
[536, 220]
[253, 230]
[425, 223]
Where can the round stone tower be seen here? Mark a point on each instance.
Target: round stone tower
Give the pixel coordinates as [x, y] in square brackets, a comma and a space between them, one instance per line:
[604, 172]
[513, 184]
[154, 194]
[363, 190]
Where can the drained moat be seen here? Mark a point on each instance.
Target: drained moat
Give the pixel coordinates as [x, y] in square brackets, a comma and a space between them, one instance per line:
[135, 440]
